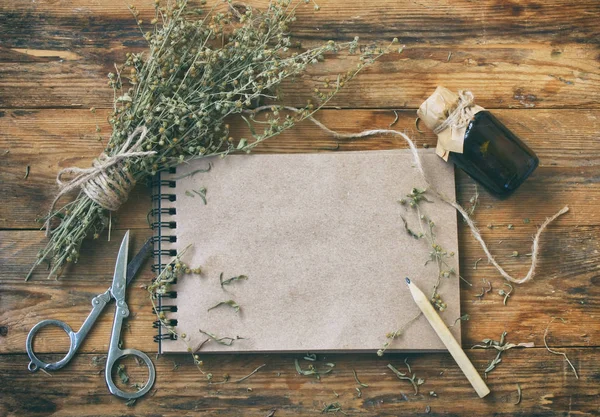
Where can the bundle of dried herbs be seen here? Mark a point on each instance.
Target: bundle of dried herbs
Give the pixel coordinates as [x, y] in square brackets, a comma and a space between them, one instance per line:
[173, 104]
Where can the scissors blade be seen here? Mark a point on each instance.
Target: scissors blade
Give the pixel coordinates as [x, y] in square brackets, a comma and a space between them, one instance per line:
[138, 260]
[120, 277]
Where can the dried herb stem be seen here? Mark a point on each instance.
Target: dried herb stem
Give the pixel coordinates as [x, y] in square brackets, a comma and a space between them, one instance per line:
[202, 193]
[333, 408]
[231, 280]
[465, 317]
[312, 369]
[412, 378]
[225, 341]
[357, 381]
[501, 346]
[417, 125]
[395, 118]
[250, 374]
[484, 290]
[191, 174]
[229, 303]
[394, 335]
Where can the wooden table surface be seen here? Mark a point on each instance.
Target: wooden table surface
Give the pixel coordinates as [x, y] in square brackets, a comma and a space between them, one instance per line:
[535, 64]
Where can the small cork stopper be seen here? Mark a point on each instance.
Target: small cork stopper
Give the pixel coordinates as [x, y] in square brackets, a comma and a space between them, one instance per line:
[435, 110]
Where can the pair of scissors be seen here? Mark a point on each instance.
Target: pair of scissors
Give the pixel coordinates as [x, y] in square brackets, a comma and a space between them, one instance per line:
[123, 275]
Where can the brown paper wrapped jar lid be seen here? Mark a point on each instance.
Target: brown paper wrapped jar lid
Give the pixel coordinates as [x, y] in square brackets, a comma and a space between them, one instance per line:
[448, 114]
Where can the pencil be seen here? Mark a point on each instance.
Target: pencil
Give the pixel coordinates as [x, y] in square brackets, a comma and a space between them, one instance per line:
[449, 341]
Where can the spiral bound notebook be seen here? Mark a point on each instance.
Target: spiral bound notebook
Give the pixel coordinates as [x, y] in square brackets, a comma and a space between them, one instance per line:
[322, 242]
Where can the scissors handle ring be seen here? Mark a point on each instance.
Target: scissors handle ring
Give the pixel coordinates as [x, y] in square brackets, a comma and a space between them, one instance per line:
[110, 362]
[36, 362]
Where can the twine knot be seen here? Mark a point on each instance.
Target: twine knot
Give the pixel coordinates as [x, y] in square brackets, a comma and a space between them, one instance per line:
[461, 115]
[107, 183]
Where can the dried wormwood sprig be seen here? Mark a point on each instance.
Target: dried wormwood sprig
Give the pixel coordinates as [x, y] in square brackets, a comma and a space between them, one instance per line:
[229, 303]
[225, 341]
[333, 408]
[312, 369]
[411, 377]
[394, 335]
[501, 347]
[484, 290]
[357, 380]
[231, 280]
[202, 67]
[162, 285]
[465, 317]
[437, 253]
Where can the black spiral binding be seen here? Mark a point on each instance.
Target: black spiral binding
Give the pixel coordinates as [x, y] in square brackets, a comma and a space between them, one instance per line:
[163, 228]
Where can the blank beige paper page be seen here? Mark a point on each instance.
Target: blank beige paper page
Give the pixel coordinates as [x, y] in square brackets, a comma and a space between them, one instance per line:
[321, 239]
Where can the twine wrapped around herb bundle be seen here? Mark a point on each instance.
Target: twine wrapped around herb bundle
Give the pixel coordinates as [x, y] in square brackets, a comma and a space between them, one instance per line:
[202, 67]
[107, 184]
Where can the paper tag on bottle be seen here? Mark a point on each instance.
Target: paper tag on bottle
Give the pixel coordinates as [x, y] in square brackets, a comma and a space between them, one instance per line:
[452, 139]
[435, 110]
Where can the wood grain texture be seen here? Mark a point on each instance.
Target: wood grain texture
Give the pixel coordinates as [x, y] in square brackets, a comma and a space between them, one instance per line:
[499, 76]
[62, 138]
[535, 63]
[567, 285]
[510, 54]
[548, 387]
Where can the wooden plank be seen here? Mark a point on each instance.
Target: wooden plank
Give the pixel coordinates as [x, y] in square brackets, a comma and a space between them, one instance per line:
[524, 54]
[26, 305]
[497, 75]
[109, 25]
[567, 285]
[65, 137]
[95, 264]
[548, 386]
[558, 21]
[58, 139]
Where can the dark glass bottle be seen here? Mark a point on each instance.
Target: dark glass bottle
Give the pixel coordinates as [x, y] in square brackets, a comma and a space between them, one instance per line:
[487, 151]
[494, 156]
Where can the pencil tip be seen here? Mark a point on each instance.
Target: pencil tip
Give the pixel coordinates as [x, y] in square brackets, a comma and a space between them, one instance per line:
[407, 280]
